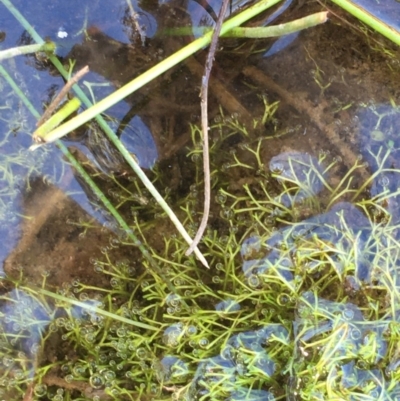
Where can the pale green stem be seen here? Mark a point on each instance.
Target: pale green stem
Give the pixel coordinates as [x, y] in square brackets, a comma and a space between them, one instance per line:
[282, 29]
[263, 31]
[18, 51]
[70, 107]
[370, 19]
[91, 308]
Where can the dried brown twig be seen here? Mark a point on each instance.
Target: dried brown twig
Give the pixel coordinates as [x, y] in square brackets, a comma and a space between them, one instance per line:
[57, 100]
[204, 127]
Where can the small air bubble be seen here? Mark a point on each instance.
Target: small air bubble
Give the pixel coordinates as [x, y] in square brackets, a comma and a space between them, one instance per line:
[115, 283]
[221, 198]
[40, 390]
[355, 334]
[98, 269]
[83, 296]
[203, 342]
[219, 266]
[283, 299]
[141, 353]
[253, 281]
[191, 330]
[348, 314]
[384, 181]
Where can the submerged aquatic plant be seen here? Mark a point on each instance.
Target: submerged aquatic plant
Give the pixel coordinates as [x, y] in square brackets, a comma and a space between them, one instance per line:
[302, 301]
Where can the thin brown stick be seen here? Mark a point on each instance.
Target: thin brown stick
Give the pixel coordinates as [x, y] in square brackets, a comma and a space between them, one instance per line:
[204, 127]
[136, 23]
[28, 396]
[57, 100]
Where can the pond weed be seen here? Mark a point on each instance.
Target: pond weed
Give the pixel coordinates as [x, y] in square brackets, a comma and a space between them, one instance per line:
[301, 301]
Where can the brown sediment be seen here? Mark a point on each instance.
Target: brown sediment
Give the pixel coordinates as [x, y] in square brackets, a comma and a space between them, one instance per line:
[50, 246]
[314, 112]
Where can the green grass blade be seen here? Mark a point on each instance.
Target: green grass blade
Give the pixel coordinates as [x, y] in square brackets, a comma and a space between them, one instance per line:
[48, 47]
[369, 19]
[70, 107]
[259, 32]
[281, 29]
[92, 308]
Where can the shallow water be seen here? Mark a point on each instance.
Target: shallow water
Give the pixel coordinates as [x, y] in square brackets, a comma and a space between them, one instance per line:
[305, 262]
[387, 11]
